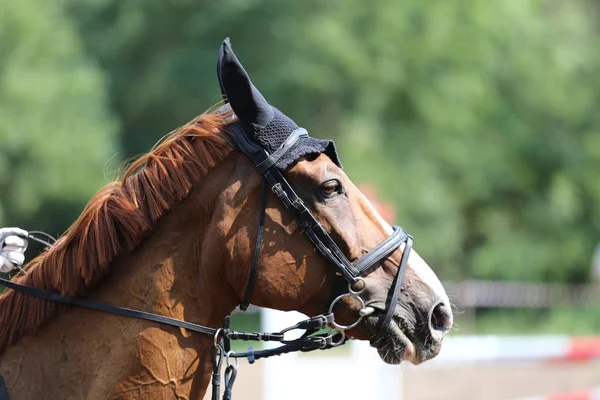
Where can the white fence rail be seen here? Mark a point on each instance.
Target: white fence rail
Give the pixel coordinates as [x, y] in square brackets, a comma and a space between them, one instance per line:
[506, 294]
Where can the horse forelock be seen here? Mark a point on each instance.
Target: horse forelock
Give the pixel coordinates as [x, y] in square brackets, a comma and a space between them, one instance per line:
[115, 220]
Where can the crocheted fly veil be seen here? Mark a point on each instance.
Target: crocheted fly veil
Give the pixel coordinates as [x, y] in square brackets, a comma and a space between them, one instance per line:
[263, 123]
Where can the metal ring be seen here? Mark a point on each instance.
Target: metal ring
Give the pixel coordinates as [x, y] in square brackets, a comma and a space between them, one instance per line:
[357, 292]
[216, 340]
[229, 354]
[339, 327]
[341, 341]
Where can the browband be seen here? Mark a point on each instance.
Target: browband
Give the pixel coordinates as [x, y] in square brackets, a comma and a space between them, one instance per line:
[289, 142]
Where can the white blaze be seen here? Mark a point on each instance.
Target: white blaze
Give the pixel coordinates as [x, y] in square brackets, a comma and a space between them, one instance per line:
[416, 263]
[426, 274]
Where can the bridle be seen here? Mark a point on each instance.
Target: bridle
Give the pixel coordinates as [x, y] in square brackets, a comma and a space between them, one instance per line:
[311, 340]
[351, 272]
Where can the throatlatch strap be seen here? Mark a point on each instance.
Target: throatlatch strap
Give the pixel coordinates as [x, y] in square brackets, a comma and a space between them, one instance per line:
[258, 243]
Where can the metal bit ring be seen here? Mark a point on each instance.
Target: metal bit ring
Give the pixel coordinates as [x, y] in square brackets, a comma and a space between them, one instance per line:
[339, 327]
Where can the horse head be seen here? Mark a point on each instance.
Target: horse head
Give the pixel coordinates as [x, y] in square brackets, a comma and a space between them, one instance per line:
[291, 274]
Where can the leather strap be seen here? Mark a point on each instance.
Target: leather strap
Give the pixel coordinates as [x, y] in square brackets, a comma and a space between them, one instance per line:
[217, 362]
[285, 146]
[382, 250]
[126, 312]
[315, 323]
[383, 325]
[3, 390]
[259, 239]
[311, 227]
[230, 375]
[322, 240]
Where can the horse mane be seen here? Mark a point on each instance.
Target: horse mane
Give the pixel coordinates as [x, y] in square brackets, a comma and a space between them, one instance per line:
[115, 220]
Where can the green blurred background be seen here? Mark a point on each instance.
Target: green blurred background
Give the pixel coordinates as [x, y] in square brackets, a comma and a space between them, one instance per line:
[475, 120]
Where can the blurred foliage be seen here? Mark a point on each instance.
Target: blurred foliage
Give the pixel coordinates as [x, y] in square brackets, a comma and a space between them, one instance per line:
[56, 133]
[476, 120]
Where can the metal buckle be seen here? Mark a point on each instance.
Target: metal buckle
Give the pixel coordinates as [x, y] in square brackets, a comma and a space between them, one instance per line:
[278, 190]
[299, 205]
[322, 340]
[322, 319]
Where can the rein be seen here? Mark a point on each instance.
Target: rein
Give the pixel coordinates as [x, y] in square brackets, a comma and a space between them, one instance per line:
[311, 339]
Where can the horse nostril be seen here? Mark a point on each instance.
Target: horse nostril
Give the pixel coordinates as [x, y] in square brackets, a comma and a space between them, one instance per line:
[441, 318]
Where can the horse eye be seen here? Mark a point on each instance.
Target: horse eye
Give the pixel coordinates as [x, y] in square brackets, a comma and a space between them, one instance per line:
[331, 188]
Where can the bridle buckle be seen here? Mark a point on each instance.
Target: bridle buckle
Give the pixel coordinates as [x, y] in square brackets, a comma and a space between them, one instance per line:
[278, 190]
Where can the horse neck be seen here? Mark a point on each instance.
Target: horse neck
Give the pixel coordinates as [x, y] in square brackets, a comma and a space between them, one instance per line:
[176, 271]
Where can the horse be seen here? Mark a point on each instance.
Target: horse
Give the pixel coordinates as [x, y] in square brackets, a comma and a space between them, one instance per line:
[177, 236]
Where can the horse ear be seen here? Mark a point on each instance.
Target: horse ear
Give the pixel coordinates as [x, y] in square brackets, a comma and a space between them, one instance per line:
[246, 101]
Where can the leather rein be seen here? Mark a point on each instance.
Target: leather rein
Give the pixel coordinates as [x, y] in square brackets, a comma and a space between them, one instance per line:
[311, 339]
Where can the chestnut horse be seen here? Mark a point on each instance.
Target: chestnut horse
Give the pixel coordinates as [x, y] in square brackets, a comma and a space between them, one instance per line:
[175, 237]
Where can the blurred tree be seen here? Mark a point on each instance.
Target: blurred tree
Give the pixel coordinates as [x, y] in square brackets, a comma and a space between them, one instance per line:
[476, 119]
[56, 133]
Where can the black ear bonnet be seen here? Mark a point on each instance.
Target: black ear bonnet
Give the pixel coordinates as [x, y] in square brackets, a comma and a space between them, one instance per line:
[263, 124]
